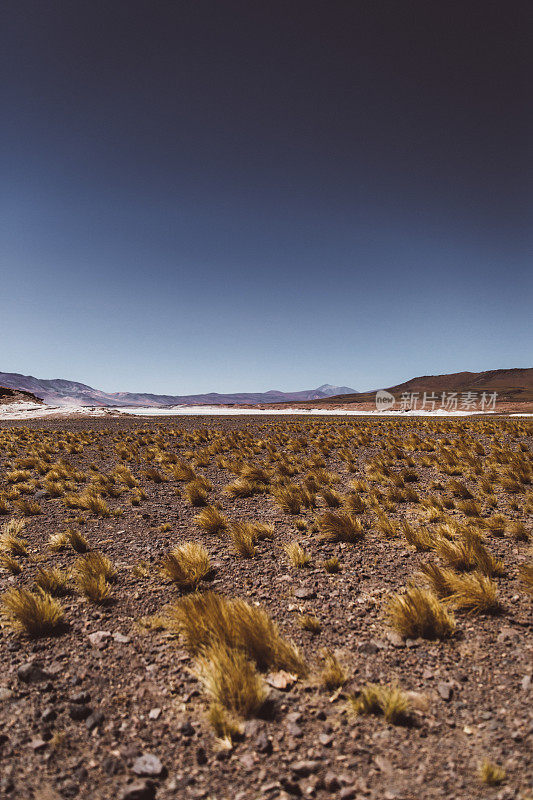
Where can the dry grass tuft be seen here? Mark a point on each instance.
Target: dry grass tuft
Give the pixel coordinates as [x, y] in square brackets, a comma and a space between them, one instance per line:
[10, 540]
[297, 555]
[310, 623]
[196, 493]
[384, 700]
[231, 680]
[52, 581]
[491, 774]
[208, 618]
[243, 538]
[35, 614]
[211, 520]
[419, 613]
[187, 565]
[340, 527]
[333, 676]
[332, 565]
[475, 593]
[226, 729]
[10, 563]
[526, 577]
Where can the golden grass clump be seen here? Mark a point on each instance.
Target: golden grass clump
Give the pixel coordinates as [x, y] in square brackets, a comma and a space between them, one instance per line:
[187, 565]
[76, 540]
[211, 520]
[195, 492]
[340, 526]
[333, 676]
[417, 612]
[243, 538]
[526, 577]
[297, 555]
[491, 774]
[231, 680]
[386, 700]
[94, 588]
[308, 622]
[10, 539]
[227, 729]
[28, 508]
[332, 565]
[91, 575]
[422, 539]
[289, 499]
[10, 563]
[35, 614]
[242, 487]
[58, 541]
[474, 592]
[209, 618]
[53, 581]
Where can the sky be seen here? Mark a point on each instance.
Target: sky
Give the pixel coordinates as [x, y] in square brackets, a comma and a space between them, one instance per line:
[240, 196]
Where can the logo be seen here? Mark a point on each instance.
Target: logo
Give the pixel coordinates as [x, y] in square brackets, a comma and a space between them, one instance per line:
[384, 400]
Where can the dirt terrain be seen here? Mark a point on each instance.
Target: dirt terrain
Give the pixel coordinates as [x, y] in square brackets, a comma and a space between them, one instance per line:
[115, 700]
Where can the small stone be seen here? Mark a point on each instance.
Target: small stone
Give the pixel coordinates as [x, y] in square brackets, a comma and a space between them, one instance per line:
[445, 691]
[99, 639]
[49, 714]
[331, 782]
[154, 713]
[94, 720]
[526, 683]
[304, 593]
[79, 713]
[294, 730]
[186, 729]
[120, 638]
[80, 697]
[325, 739]
[140, 790]
[347, 793]
[304, 768]
[290, 786]
[37, 744]
[395, 639]
[369, 648]
[32, 672]
[148, 764]
[263, 744]
[5, 694]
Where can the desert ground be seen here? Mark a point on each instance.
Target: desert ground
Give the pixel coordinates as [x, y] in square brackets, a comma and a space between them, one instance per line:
[266, 608]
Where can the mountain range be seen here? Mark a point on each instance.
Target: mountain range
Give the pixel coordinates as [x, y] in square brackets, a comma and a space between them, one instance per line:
[60, 392]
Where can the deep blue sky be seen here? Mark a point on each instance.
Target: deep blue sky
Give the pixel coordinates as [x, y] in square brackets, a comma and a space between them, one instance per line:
[250, 195]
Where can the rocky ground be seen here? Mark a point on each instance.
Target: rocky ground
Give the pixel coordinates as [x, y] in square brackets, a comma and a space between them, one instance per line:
[111, 707]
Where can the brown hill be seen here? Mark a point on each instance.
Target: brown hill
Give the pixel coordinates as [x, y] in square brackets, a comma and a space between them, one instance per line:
[8, 395]
[513, 386]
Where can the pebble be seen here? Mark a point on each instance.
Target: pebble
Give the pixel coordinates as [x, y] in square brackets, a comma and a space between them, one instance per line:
[5, 694]
[79, 712]
[263, 744]
[148, 764]
[445, 691]
[94, 720]
[99, 639]
[304, 768]
[331, 782]
[37, 744]
[32, 672]
[140, 790]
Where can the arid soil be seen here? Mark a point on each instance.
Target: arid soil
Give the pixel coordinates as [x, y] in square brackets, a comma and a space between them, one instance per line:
[111, 705]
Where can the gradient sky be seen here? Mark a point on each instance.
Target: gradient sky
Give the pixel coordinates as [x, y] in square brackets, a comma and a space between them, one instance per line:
[237, 196]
